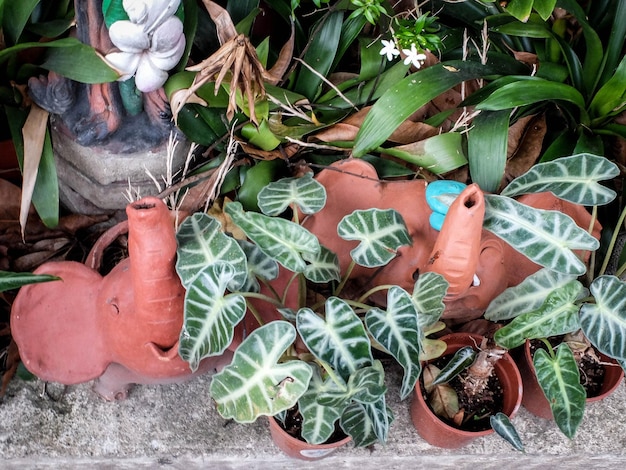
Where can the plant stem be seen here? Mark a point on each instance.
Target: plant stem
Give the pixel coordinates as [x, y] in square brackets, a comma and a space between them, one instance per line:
[345, 278]
[549, 346]
[609, 249]
[373, 290]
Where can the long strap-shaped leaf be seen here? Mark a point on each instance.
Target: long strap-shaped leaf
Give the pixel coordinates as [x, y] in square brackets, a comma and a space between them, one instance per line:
[604, 323]
[254, 384]
[575, 179]
[528, 295]
[278, 238]
[556, 316]
[380, 232]
[410, 94]
[545, 237]
[210, 314]
[339, 339]
[560, 381]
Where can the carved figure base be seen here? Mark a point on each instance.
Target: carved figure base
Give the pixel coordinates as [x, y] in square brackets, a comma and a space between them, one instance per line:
[94, 180]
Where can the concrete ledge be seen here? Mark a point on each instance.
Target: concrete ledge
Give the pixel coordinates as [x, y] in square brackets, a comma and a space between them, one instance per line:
[176, 426]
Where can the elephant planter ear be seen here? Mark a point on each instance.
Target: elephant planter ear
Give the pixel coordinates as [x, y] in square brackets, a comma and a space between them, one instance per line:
[52, 325]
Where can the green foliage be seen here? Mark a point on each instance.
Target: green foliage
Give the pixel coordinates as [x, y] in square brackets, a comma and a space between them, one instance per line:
[11, 280]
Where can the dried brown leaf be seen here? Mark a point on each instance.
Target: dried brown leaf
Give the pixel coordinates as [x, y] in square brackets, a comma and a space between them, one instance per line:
[223, 23]
[442, 398]
[34, 133]
[525, 144]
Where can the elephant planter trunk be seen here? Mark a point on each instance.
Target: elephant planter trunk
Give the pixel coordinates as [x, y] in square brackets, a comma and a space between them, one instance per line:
[120, 329]
[477, 265]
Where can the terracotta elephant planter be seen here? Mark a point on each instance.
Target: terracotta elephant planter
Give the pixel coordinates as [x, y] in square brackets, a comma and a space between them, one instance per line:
[477, 264]
[120, 329]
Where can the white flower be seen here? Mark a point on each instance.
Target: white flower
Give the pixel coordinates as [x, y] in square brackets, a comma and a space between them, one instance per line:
[389, 49]
[151, 42]
[413, 57]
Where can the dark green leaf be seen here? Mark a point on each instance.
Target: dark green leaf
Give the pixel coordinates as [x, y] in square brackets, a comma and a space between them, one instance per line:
[405, 97]
[487, 148]
[502, 425]
[461, 360]
[63, 60]
[15, 16]
[9, 280]
[560, 381]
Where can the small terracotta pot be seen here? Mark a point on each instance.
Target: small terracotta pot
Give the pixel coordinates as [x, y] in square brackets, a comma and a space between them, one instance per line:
[437, 432]
[534, 399]
[298, 449]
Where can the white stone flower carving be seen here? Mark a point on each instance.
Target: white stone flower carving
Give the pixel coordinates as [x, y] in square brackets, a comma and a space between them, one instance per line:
[413, 57]
[150, 43]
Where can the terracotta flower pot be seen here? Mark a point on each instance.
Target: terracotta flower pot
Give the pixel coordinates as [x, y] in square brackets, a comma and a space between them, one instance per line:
[298, 449]
[534, 399]
[437, 432]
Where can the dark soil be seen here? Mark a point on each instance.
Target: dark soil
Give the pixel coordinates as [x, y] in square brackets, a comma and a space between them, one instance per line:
[591, 371]
[477, 407]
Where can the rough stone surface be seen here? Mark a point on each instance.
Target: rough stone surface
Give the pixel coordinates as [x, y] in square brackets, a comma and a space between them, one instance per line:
[95, 180]
[177, 426]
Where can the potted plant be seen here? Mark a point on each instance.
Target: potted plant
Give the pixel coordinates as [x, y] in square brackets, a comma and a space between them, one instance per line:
[331, 373]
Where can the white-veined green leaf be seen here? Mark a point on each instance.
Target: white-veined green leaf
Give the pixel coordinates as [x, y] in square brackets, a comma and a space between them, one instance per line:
[381, 233]
[397, 330]
[575, 179]
[604, 323]
[305, 192]
[367, 423]
[528, 295]
[428, 293]
[560, 381]
[210, 316]
[201, 242]
[259, 265]
[365, 385]
[318, 421]
[323, 266]
[278, 238]
[503, 426]
[545, 237]
[556, 316]
[339, 340]
[255, 384]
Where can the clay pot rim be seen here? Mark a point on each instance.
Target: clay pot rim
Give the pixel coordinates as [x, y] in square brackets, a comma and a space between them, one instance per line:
[273, 422]
[461, 432]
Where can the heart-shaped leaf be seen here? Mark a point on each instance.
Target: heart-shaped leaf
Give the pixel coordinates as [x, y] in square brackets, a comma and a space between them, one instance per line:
[575, 179]
[210, 316]
[428, 294]
[381, 233]
[339, 339]
[556, 316]
[277, 238]
[397, 330]
[318, 421]
[255, 384]
[305, 192]
[365, 385]
[367, 423]
[560, 381]
[323, 266]
[528, 295]
[545, 237]
[604, 323]
[201, 242]
[259, 266]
